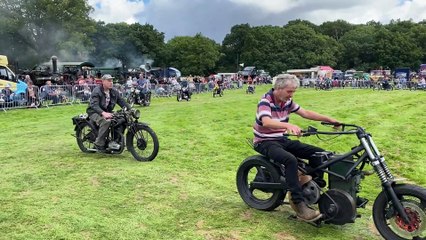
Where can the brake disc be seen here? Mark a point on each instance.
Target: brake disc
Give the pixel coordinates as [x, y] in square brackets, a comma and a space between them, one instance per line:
[416, 226]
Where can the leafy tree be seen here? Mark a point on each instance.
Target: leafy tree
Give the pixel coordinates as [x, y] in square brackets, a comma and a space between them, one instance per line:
[418, 35]
[34, 30]
[265, 49]
[335, 29]
[396, 49]
[233, 46]
[358, 48]
[400, 26]
[112, 44]
[130, 45]
[302, 22]
[148, 41]
[196, 55]
[306, 48]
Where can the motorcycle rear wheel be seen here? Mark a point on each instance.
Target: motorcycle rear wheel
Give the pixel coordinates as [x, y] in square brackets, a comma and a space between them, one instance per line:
[390, 224]
[143, 143]
[258, 169]
[85, 136]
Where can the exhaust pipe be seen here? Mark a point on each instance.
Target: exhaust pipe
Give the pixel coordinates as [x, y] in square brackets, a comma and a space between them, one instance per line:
[55, 64]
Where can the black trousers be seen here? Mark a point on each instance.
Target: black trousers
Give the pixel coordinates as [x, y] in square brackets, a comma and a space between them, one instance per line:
[286, 151]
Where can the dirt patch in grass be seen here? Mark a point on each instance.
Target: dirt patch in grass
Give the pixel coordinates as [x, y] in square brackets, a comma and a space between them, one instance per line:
[284, 236]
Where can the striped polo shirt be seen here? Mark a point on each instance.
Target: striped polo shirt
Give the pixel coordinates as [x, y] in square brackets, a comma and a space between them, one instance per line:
[267, 107]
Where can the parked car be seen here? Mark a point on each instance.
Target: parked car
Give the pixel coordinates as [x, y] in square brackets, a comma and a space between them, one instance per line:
[250, 71]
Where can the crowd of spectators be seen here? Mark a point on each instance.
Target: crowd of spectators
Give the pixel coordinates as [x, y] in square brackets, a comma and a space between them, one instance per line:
[415, 82]
[29, 95]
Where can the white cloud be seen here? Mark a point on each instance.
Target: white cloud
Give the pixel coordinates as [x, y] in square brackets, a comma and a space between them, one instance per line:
[113, 11]
[271, 6]
[214, 18]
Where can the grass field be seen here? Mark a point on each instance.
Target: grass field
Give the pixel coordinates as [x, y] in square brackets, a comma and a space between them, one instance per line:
[51, 190]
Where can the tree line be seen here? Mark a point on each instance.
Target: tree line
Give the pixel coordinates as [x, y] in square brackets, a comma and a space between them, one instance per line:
[31, 31]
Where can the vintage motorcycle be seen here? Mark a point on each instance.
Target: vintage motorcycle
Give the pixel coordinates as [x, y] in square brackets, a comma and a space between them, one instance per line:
[250, 89]
[399, 211]
[125, 131]
[323, 85]
[183, 92]
[218, 91]
[137, 97]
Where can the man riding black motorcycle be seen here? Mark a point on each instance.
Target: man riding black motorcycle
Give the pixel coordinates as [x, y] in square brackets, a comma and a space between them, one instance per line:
[102, 102]
[143, 86]
[272, 121]
[185, 91]
[386, 84]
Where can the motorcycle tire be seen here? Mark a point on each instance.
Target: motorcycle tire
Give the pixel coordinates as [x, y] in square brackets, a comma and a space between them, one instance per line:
[387, 220]
[141, 149]
[140, 101]
[266, 200]
[131, 101]
[85, 136]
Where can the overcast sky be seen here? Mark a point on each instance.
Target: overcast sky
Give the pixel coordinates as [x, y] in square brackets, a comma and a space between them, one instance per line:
[214, 18]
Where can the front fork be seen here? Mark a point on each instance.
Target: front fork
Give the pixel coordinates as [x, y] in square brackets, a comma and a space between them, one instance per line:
[382, 170]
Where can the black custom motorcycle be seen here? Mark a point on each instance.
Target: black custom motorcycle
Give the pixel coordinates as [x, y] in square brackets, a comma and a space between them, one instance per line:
[125, 131]
[399, 211]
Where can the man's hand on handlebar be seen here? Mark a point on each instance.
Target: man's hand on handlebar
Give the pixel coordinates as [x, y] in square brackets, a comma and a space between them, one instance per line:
[106, 115]
[293, 129]
[336, 124]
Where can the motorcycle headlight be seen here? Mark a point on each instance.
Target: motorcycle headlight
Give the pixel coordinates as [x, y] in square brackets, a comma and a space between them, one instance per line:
[136, 113]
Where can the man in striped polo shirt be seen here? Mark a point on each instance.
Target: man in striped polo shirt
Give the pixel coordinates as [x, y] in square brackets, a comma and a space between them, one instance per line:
[272, 121]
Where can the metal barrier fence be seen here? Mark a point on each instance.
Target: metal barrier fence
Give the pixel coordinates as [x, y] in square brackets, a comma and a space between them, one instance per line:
[53, 95]
[28, 98]
[45, 96]
[56, 95]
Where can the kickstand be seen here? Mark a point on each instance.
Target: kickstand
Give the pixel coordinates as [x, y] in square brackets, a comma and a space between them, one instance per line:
[316, 223]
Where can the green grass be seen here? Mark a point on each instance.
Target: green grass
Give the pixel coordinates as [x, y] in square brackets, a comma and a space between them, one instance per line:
[51, 190]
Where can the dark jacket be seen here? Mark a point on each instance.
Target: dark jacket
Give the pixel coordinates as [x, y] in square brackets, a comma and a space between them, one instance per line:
[98, 98]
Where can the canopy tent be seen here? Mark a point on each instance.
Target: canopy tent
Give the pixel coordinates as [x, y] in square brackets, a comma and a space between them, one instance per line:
[325, 72]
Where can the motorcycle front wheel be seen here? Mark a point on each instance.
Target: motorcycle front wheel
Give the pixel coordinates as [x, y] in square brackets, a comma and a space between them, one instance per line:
[390, 224]
[86, 137]
[131, 101]
[142, 143]
[259, 169]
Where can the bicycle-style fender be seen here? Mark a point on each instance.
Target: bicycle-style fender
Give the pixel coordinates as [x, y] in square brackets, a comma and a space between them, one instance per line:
[79, 123]
[141, 124]
[135, 126]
